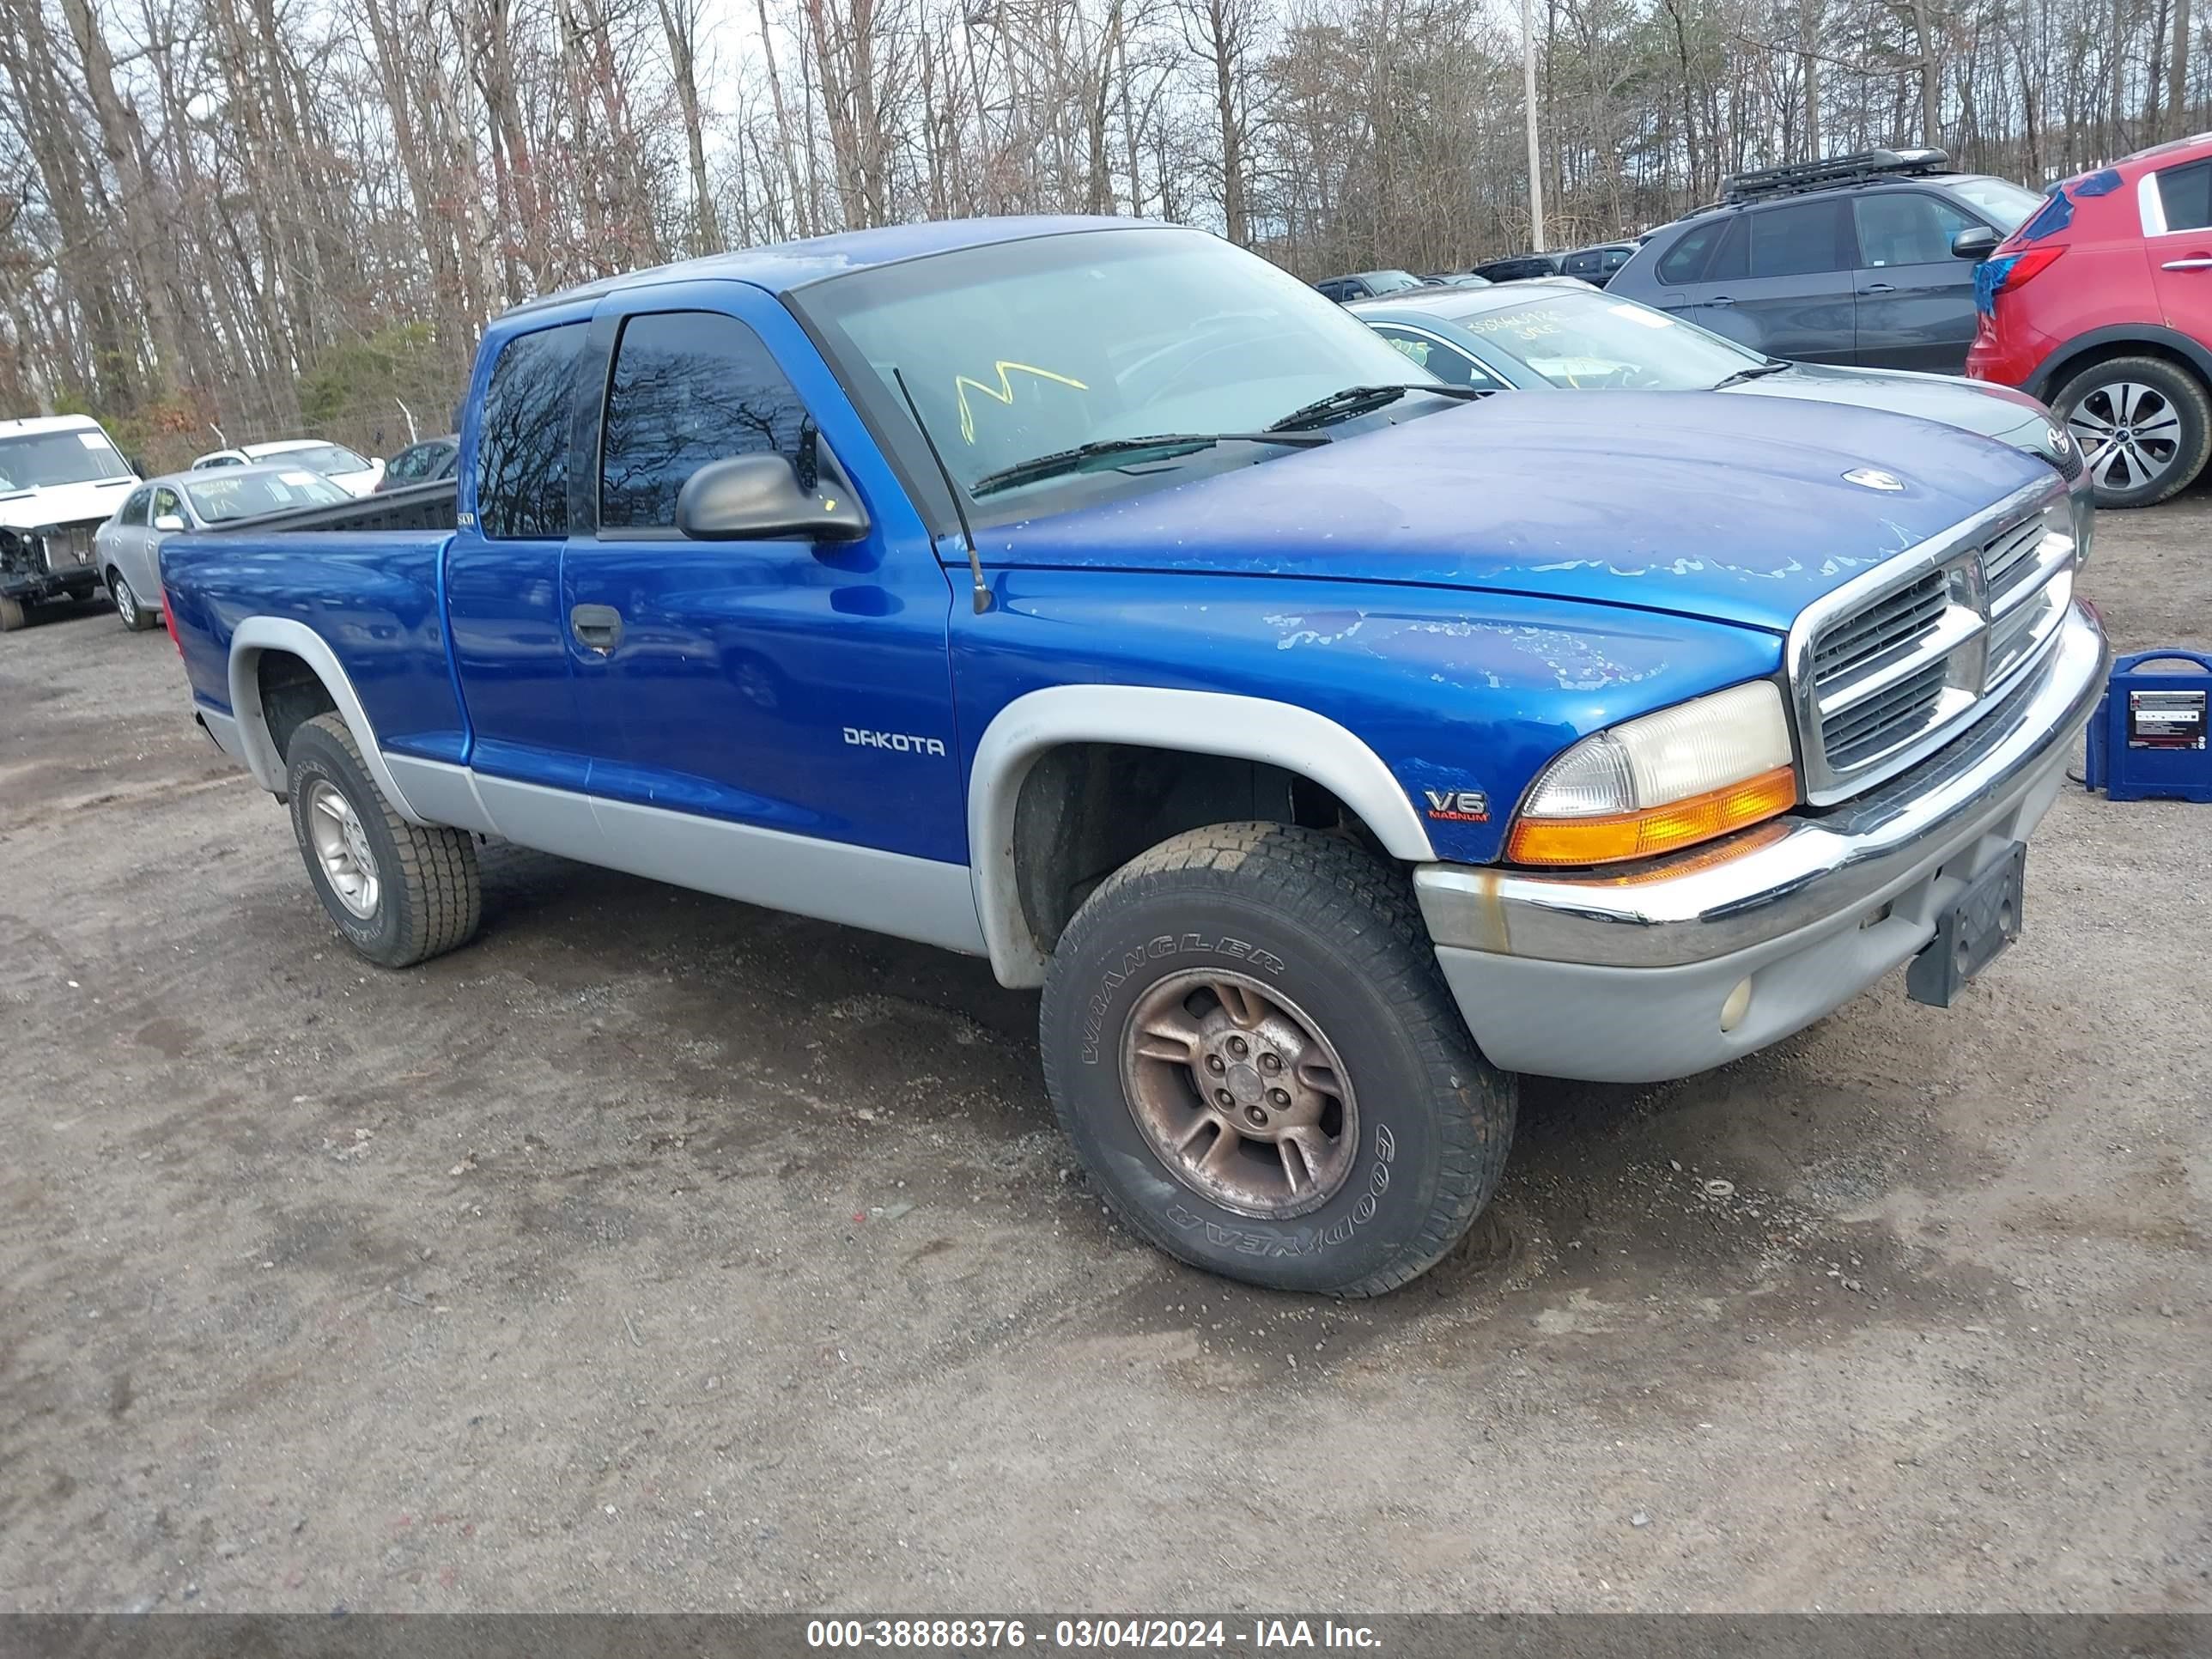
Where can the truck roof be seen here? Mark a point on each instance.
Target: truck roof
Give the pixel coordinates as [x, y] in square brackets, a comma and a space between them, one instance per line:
[30, 423]
[784, 265]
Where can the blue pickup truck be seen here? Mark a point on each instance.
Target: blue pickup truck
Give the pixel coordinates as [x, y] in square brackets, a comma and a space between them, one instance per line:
[1329, 746]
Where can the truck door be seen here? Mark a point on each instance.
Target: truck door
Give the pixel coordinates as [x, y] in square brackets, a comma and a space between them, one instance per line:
[503, 569]
[786, 685]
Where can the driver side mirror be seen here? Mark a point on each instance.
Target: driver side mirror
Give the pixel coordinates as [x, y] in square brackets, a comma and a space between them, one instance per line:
[756, 498]
[1976, 242]
[169, 521]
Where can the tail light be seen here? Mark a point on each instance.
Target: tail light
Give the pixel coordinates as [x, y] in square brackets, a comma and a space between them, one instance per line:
[2001, 273]
[169, 621]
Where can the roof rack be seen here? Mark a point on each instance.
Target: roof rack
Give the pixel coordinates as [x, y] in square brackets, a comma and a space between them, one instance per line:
[1833, 173]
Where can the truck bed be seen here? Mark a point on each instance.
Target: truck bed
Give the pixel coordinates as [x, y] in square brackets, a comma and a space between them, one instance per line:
[418, 506]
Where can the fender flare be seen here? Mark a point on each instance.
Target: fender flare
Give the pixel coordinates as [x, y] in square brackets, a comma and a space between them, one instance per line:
[1203, 722]
[2056, 368]
[247, 641]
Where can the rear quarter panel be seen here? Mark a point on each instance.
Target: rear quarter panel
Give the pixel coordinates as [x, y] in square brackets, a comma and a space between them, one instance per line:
[374, 598]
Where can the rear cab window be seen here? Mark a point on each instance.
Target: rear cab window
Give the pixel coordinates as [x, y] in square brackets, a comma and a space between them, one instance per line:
[522, 437]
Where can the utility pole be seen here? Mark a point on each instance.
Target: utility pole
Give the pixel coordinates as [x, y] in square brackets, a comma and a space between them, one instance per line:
[1529, 97]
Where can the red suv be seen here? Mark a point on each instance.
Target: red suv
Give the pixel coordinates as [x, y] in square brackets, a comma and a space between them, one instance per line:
[2102, 305]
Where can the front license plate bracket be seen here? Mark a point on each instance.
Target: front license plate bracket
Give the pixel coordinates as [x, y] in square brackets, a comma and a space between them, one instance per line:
[1972, 932]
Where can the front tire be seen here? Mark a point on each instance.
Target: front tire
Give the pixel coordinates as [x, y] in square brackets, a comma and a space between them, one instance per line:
[14, 614]
[1246, 1036]
[126, 603]
[400, 892]
[2144, 426]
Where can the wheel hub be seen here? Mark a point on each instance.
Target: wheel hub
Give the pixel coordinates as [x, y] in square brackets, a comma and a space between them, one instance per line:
[341, 845]
[1240, 1094]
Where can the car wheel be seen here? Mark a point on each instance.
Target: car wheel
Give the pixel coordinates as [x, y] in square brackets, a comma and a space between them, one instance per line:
[126, 603]
[400, 892]
[2144, 426]
[14, 614]
[1246, 1036]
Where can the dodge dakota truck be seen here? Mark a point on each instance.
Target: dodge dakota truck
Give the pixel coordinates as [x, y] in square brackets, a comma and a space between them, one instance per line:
[1330, 745]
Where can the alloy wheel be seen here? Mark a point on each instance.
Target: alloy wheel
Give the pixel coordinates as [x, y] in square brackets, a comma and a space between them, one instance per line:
[2130, 435]
[1240, 1093]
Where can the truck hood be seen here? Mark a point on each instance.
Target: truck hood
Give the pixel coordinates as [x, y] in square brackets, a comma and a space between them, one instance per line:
[1736, 509]
[26, 509]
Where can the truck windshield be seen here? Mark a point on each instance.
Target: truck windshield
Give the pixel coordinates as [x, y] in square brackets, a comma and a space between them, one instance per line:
[1032, 347]
[249, 492]
[39, 460]
[1582, 338]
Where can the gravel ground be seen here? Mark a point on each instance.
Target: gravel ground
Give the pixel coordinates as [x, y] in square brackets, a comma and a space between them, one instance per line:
[656, 1252]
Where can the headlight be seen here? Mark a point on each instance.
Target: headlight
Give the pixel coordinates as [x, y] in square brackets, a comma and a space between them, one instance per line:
[1673, 778]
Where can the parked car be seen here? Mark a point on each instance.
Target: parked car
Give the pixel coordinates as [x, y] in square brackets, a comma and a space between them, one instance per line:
[1519, 267]
[2101, 304]
[1597, 265]
[421, 463]
[1864, 258]
[60, 475]
[350, 472]
[1365, 284]
[1558, 334]
[1329, 743]
[127, 548]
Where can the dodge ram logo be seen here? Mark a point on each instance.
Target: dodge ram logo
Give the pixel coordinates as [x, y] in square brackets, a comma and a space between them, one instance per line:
[1873, 478]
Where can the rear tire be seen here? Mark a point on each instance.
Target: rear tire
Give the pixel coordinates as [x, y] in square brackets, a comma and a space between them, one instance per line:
[2144, 426]
[400, 892]
[14, 614]
[1247, 1038]
[126, 603]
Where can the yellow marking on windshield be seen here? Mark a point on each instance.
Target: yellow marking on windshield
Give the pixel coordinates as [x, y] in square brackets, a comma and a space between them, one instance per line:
[1005, 392]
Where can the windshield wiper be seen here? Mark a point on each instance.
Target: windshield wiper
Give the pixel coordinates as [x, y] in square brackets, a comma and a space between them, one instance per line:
[1365, 400]
[1756, 371]
[1165, 445]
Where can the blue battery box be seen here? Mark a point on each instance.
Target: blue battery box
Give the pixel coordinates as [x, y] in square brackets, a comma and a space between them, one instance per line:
[2146, 737]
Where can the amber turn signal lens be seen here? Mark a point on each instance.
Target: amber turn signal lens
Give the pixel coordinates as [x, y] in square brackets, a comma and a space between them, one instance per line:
[1656, 830]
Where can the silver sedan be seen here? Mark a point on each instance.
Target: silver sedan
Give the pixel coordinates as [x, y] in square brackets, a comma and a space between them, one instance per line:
[129, 545]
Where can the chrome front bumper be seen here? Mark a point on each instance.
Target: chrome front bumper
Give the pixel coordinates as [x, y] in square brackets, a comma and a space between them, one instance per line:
[1625, 977]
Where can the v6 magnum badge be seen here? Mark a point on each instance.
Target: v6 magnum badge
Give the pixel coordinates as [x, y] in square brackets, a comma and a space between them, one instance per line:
[1458, 805]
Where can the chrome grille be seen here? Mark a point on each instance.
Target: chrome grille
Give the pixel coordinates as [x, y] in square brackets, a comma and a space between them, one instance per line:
[1890, 624]
[1897, 662]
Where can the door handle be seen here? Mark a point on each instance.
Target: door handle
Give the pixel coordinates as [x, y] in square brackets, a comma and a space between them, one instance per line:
[1878, 287]
[598, 627]
[1720, 300]
[2194, 262]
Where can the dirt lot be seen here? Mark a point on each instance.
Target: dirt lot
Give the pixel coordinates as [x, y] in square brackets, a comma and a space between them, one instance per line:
[656, 1252]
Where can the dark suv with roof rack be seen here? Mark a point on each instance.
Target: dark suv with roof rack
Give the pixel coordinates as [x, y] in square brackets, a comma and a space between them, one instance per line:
[1865, 259]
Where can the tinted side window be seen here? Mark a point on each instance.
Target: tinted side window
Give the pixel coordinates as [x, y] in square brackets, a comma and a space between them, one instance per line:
[1582, 265]
[688, 388]
[1800, 239]
[133, 510]
[522, 445]
[2187, 193]
[1907, 228]
[1684, 262]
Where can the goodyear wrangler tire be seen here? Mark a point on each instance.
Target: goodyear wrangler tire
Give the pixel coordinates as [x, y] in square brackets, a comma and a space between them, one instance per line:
[1246, 1036]
[400, 892]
